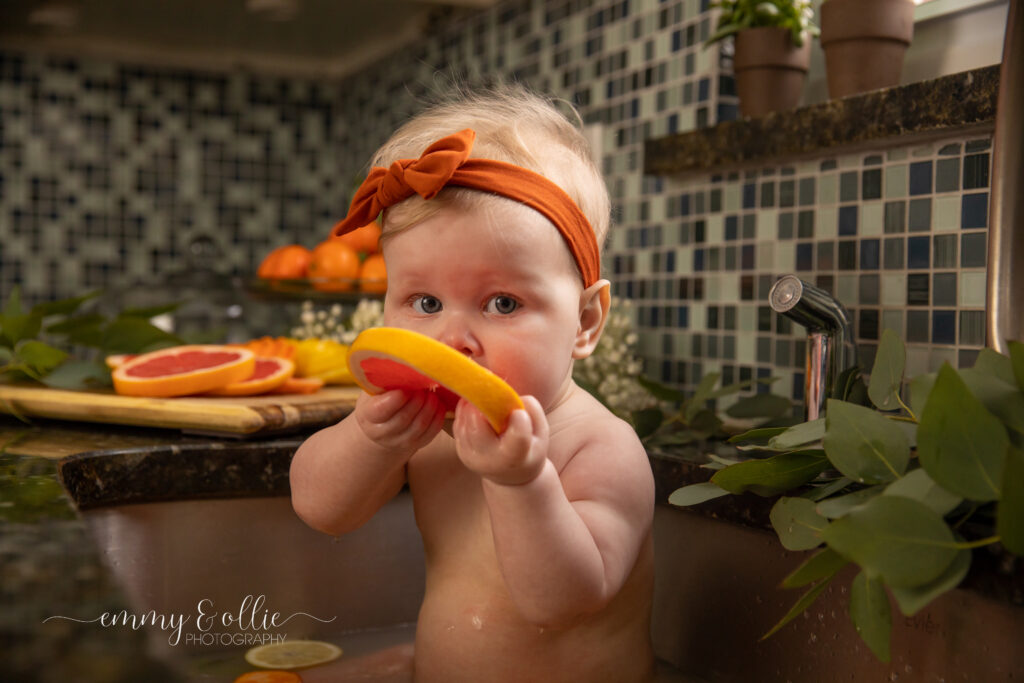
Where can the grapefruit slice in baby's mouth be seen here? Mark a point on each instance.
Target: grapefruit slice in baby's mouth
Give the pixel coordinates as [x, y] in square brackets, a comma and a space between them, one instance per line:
[384, 358]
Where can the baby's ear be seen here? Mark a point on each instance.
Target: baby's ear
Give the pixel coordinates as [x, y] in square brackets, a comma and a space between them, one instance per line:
[595, 301]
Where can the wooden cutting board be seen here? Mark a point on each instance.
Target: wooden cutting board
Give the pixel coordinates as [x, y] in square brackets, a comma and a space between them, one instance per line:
[238, 416]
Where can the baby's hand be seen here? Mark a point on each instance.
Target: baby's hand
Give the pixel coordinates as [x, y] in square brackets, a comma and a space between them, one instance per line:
[515, 457]
[400, 421]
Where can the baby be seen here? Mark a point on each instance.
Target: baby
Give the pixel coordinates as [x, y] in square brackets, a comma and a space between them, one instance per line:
[539, 558]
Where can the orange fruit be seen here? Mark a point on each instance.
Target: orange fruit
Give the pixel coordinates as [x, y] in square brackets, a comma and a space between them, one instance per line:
[183, 370]
[292, 654]
[269, 373]
[299, 385]
[334, 266]
[285, 263]
[383, 358]
[373, 276]
[365, 239]
[269, 677]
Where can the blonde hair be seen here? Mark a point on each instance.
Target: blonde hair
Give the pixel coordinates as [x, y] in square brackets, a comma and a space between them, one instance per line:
[512, 124]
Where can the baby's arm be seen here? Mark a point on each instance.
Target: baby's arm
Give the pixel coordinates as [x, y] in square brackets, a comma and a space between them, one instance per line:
[566, 542]
[341, 475]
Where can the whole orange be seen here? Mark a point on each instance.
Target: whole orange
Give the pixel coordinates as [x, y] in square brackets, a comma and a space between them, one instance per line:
[285, 263]
[373, 276]
[365, 239]
[334, 266]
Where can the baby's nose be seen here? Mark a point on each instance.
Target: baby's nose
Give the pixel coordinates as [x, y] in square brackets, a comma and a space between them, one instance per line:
[458, 334]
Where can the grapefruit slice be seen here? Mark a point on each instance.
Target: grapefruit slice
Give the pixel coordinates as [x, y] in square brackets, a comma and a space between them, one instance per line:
[383, 358]
[118, 359]
[183, 370]
[299, 385]
[292, 654]
[269, 373]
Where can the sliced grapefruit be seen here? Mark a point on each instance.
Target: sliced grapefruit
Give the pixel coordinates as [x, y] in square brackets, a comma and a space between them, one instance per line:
[299, 385]
[383, 358]
[118, 359]
[183, 370]
[269, 373]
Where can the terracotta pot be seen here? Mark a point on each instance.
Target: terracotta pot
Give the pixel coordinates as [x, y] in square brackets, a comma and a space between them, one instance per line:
[770, 70]
[864, 43]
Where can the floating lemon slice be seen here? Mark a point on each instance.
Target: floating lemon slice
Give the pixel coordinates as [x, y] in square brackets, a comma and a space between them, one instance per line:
[292, 654]
[383, 358]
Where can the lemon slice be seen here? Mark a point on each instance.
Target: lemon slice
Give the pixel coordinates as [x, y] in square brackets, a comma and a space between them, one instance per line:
[292, 654]
[383, 358]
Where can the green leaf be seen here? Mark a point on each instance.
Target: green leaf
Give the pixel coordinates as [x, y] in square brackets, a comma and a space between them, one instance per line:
[758, 436]
[774, 475]
[78, 374]
[863, 444]
[701, 395]
[920, 389]
[823, 564]
[822, 492]
[912, 599]
[991, 362]
[1000, 396]
[1017, 358]
[833, 508]
[134, 335]
[805, 601]
[871, 614]
[646, 421]
[148, 312]
[917, 485]
[760, 405]
[797, 524]
[16, 327]
[660, 391]
[63, 306]
[887, 374]
[705, 422]
[895, 538]
[799, 435]
[694, 494]
[960, 443]
[1010, 515]
[41, 357]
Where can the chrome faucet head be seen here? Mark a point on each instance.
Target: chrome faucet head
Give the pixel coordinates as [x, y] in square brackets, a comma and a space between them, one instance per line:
[830, 349]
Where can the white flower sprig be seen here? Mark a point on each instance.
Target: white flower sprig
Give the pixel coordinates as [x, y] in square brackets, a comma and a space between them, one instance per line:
[331, 323]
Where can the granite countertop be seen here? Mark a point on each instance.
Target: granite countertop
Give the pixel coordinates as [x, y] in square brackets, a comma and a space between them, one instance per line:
[917, 111]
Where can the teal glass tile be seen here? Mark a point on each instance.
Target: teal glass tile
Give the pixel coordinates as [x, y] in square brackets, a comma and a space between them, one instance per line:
[917, 327]
[947, 175]
[896, 181]
[943, 327]
[786, 226]
[867, 323]
[944, 289]
[868, 293]
[944, 251]
[826, 256]
[972, 328]
[918, 252]
[917, 289]
[952, 149]
[847, 258]
[974, 211]
[787, 193]
[805, 225]
[920, 178]
[806, 191]
[748, 226]
[920, 215]
[977, 145]
[895, 216]
[869, 254]
[828, 189]
[871, 184]
[972, 289]
[893, 320]
[767, 194]
[973, 250]
[848, 186]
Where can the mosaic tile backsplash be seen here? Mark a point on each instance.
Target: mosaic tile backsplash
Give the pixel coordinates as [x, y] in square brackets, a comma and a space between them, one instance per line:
[108, 171]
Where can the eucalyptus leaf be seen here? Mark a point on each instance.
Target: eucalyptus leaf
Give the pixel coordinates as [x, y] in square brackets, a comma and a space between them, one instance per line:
[78, 374]
[822, 492]
[805, 601]
[834, 508]
[1000, 396]
[1017, 359]
[41, 357]
[132, 335]
[759, 436]
[960, 443]
[823, 564]
[917, 485]
[63, 306]
[148, 312]
[863, 444]
[72, 325]
[15, 327]
[799, 435]
[895, 538]
[705, 421]
[796, 523]
[760, 405]
[646, 421]
[773, 475]
[1010, 515]
[912, 599]
[871, 614]
[737, 387]
[660, 391]
[991, 362]
[920, 389]
[695, 494]
[887, 373]
[701, 395]
[6, 355]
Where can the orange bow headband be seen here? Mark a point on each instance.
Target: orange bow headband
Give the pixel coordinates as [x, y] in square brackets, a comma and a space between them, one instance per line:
[447, 162]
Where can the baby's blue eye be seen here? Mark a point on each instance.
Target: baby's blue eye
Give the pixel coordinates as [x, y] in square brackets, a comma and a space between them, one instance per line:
[502, 304]
[426, 304]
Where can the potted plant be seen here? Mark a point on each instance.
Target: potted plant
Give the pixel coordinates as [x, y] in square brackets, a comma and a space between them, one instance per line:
[864, 43]
[772, 50]
[901, 493]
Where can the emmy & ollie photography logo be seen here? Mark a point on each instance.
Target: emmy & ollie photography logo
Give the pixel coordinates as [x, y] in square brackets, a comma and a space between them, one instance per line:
[250, 624]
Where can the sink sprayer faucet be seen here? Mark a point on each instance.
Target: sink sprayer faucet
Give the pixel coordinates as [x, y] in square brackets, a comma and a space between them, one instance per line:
[830, 348]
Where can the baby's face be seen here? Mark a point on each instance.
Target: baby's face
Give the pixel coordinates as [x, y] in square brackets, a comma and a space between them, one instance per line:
[496, 283]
